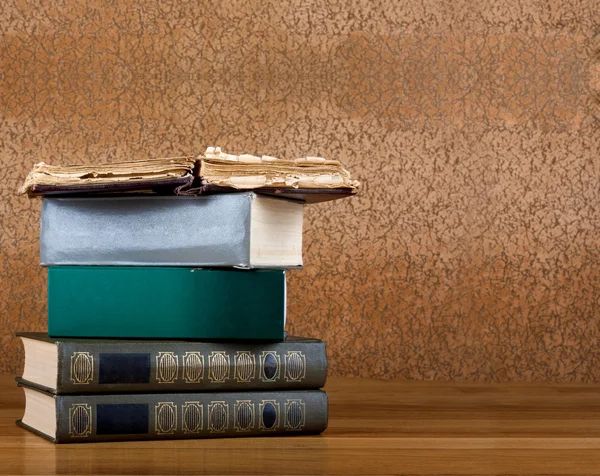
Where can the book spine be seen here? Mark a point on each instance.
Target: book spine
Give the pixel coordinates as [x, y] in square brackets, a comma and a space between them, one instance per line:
[162, 366]
[166, 303]
[87, 418]
[146, 231]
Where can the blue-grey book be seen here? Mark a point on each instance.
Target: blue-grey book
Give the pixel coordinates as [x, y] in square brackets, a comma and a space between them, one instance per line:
[241, 230]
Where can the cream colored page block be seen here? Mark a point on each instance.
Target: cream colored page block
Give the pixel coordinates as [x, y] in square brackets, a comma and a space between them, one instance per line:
[276, 232]
[41, 362]
[40, 412]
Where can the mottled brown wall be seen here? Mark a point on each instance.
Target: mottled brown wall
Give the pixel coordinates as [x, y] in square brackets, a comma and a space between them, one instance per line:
[473, 251]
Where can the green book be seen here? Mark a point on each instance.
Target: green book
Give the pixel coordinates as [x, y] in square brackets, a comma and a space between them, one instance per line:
[166, 303]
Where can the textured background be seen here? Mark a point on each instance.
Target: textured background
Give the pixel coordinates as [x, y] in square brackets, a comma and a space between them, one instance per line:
[473, 251]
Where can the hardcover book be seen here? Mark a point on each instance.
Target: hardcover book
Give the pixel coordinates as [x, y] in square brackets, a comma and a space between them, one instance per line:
[67, 366]
[241, 230]
[166, 303]
[158, 416]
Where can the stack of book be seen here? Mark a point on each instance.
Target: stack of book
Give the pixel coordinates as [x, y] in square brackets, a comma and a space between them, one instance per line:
[167, 299]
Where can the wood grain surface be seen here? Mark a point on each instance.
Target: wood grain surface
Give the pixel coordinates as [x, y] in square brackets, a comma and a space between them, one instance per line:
[473, 250]
[376, 428]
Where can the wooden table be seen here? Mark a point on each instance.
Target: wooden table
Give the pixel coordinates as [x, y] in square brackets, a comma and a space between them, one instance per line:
[376, 427]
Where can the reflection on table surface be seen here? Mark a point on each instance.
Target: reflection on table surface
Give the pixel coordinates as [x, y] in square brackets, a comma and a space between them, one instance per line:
[375, 427]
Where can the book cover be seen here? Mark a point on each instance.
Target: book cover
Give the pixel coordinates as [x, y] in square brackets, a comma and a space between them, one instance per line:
[166, 303]
[241, 230]
[120, 417]
[66, 366]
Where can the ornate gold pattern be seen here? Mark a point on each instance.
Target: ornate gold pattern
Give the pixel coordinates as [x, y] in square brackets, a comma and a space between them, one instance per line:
[165, 419]
[82, 368]
[192, 417]
[243, 415]
[295, 414]
[80, 420]
[245, 366]
[167, 367]
[218, 363]
[261, 419]
[193, 367]
[295, 366]
[218, 417]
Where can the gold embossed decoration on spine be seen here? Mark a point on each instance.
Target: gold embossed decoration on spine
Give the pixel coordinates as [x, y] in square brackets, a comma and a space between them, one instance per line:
[218, 363]
[167, 367]
[295, 414]
[243, 415]
[193, 365]
[245, 366]
[165, 418]
[192, 417]
[218, 417]
[82, 368]
[80, 420]
[295, 366]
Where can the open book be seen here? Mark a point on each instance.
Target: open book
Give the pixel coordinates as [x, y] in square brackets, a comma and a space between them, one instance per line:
[121, 176]
[312, 179]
